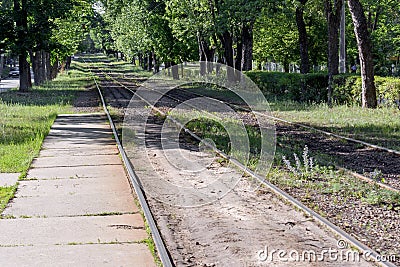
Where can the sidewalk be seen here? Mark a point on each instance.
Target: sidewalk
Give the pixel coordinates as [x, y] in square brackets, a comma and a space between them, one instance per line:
[76, 206]
[8, 84]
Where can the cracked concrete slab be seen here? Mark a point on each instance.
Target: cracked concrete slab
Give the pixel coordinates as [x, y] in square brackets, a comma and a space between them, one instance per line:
[58, 187]
[77, 152]
[106, 171]
[71, 204]
[66, 230]
[63, 161]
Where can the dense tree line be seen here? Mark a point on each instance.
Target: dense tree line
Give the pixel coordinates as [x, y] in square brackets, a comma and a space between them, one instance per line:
[235, 32]
[240, 32]
[42, 33]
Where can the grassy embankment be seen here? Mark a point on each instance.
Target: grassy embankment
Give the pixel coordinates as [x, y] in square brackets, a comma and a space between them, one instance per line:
[26, 119]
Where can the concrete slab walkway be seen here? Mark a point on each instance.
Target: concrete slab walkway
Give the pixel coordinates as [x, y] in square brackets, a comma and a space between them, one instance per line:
[76, 206]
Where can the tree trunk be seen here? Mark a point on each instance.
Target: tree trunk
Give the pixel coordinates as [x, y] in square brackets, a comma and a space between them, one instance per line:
[149, 61]
[68, 61]
[21, 14]
[24, 74]
[206, 55]
[34, 60]
[210, 59]
[286, 65]
[333, 18]
[156, 64]
[47, 65]
[227, 42]
[365, 52]
[303, 42]
[202, 54]
[167, 67]
[54, 70]
[140, 58]
[247, 47]
[238, 58]
[1, 64]
[239, 53]
[175, 71]
[41, 66]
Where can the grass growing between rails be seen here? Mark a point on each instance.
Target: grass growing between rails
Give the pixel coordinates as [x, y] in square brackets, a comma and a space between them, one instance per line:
[26, 118]
[305, 173]
[379, 126]
[111, 65]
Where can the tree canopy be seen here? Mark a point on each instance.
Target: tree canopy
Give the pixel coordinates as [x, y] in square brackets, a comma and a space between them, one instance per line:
[243, 34]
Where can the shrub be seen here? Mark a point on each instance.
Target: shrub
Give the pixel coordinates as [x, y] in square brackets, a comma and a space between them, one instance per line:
[313, 87]
[291, 86]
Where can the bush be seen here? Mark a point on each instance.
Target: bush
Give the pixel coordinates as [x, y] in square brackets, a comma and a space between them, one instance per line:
[313, 87]
[291, 86]
[348, 88]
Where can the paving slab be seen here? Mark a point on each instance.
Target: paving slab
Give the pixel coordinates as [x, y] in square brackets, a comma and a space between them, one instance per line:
[77, 144]
[8, 179]
[71, 205]
[76, 206]
[58, 187]
[112, 150]
[77, 255]
[106, 171]
[63, 161]
[77, 230]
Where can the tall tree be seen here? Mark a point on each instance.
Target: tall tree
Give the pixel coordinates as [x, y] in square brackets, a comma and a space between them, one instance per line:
[22, 43]
[303, 39]
[365, 53]
[333, 13]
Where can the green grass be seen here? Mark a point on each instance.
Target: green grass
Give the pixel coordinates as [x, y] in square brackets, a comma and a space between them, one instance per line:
[6, 193]
[111, 65]
[26, 118]
[377, 126]
[322, 179]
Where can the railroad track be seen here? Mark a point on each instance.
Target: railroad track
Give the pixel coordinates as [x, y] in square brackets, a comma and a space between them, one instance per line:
[135, 183]
[121, 89]
[386, 155]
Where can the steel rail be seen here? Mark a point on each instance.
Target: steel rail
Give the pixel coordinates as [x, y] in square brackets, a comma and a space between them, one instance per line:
[355, 174]
[393, 151]
[335, 229]
[164, 255]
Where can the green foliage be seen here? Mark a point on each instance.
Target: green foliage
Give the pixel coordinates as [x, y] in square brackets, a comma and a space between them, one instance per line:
[276, 36]
[26, 118]
[6, 193]
[348, 89]
[52, 25]
[313, 87]
[291, 86]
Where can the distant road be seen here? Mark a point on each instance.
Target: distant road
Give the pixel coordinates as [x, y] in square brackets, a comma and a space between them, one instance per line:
[8, 83]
